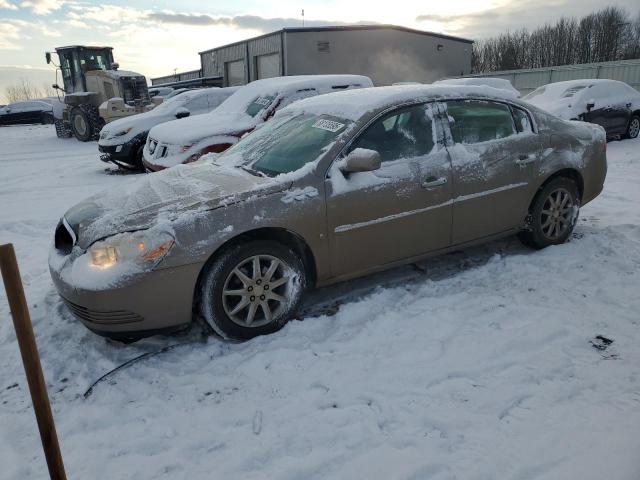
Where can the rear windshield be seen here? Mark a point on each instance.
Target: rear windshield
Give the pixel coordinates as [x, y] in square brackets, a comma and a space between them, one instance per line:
[570, 92]
[259, 104]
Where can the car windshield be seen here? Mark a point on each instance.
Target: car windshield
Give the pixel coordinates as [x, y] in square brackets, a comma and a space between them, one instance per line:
[259, 104]
[570, 92]
[535, 93]
[283, 146]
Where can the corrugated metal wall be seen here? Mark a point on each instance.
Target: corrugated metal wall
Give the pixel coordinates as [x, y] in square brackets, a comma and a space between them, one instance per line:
[177, 77]
[525, 81]
[266, 45]
[213, 61]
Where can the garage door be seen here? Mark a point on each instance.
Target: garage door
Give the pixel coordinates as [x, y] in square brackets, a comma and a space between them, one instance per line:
[268, 65]
[234, 73]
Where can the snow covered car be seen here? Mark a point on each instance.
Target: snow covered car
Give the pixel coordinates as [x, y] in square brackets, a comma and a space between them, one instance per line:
[122, 140]
[333, 187]
[30, 111]
[499, 83]
[172, 144]
[612, 104]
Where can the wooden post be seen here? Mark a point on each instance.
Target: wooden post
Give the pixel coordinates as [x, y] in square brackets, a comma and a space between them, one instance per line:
[31, 361]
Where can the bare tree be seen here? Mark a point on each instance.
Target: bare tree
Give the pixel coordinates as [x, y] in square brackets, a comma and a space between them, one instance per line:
[24, 89]
[598, 37]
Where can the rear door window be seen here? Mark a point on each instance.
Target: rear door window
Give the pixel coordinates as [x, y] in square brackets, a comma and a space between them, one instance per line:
[523, 122]
[476, 121]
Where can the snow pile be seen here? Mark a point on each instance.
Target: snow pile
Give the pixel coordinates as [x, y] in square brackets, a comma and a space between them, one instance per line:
[499, 83]
[476, 364]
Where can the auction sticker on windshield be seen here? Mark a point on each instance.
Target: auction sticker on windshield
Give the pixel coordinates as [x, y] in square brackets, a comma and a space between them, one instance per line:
[328, 125]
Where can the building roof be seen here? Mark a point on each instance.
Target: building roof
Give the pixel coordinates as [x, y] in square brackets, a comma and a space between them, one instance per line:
[334, 28]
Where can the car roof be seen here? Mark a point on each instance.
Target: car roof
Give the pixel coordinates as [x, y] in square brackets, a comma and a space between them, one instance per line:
[353, 104]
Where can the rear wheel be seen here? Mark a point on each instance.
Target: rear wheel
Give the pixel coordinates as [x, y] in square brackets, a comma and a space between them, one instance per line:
[634, 127]
[85, 122]
[47, 119]
[553, 214]
[252, 289]
[62, 131]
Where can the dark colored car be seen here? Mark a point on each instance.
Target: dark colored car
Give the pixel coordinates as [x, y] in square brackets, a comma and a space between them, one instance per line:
[613, 105]
[31, 111]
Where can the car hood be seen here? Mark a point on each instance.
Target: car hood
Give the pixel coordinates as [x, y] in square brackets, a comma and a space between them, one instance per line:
[193, 129]
[176, 194]
[142, 122]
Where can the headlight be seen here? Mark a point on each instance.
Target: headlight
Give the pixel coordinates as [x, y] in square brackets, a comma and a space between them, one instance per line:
[142, 249]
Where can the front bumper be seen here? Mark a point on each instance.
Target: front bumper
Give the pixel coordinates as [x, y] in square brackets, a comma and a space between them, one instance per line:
[153, 302]
[126, 152]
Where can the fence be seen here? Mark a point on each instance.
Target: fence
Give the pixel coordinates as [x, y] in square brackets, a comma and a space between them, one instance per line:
[527, 80]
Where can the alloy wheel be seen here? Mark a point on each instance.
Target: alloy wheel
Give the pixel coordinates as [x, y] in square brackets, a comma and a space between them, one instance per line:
[634, 127]
[257, 291]
[79, 124]
[557, 214]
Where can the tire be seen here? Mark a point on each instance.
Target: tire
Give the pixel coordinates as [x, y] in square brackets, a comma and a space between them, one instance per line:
[47, 119]
[62, 131]
[85, 122]
[551, 225]
[633, 128]
[242, 315]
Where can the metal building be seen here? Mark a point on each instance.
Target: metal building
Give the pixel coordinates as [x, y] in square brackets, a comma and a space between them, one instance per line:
[527, 80]
[385, 53]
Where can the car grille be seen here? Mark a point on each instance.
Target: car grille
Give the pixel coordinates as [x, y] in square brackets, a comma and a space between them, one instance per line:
[135, 91]
[104, 318]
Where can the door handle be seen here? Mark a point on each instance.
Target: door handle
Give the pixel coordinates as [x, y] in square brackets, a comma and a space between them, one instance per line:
[432, 182]
[525, 159]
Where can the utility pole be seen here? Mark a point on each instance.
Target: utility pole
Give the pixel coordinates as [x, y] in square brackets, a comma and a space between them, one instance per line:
[303, 18]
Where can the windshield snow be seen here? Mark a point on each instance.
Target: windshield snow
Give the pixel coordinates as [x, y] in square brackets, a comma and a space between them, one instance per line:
[286, 145]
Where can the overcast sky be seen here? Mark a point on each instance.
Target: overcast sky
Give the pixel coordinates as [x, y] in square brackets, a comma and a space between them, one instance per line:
[156, 37]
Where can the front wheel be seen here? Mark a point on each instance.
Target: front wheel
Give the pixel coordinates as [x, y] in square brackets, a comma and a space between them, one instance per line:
[634, 127]
[252, 289]
[553, 214]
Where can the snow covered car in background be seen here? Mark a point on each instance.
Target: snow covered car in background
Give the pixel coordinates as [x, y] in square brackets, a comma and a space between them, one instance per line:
[30, 111]
[122, 141]
[611, 104]
[499, 83]
[160, 91]
[172, 144]
[333, 187]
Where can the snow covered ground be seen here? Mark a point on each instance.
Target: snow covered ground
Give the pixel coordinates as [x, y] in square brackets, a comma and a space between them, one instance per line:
[475, 365]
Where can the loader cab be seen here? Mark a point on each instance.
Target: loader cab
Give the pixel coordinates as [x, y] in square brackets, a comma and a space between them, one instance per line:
[76, 61]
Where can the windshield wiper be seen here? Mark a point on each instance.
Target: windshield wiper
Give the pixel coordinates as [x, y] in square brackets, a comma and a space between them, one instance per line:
[253, 172]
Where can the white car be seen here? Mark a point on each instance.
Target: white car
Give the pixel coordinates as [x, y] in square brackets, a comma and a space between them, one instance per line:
[174, 143]
[499, 83]
[122, 140]
[611, 104]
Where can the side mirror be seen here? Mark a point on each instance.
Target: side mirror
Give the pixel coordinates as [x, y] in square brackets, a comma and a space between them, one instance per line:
[182, 112]
[590, 104]
[47, 55]
[115, 65]
[362, 160]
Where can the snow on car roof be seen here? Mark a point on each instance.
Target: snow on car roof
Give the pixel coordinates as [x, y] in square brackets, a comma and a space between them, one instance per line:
[501, 83]
[231, 116]
[239, 101]
[352, 104]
